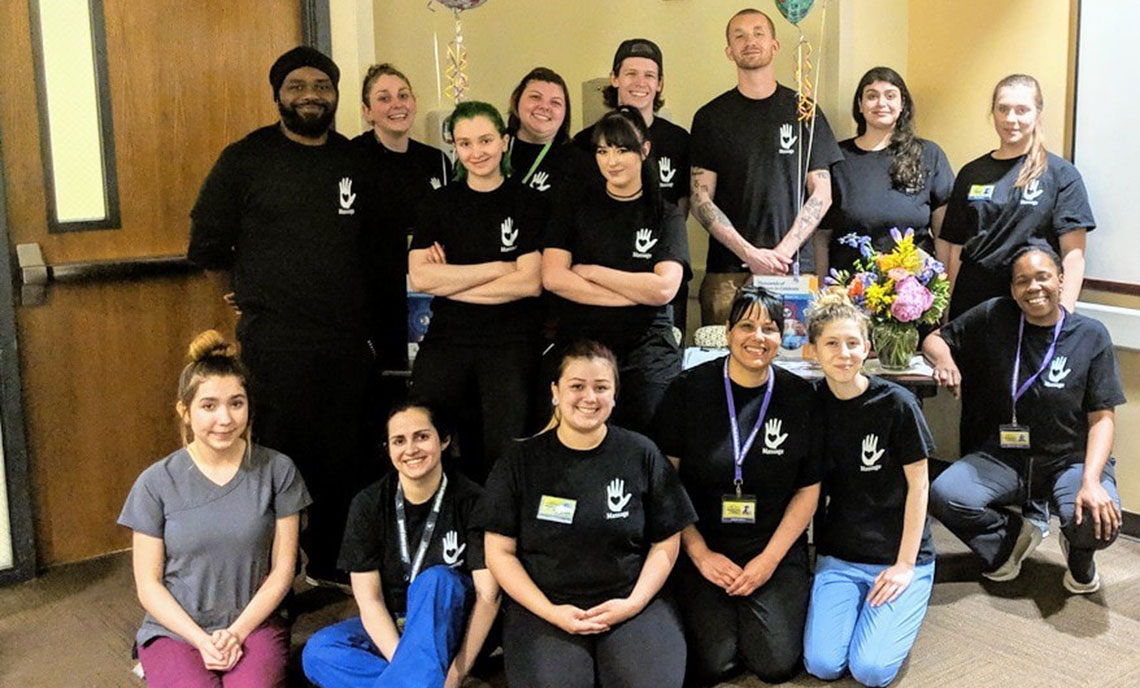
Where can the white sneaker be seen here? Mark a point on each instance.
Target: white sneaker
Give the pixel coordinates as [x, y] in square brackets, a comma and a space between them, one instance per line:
[1028, 538]
[1072, 584]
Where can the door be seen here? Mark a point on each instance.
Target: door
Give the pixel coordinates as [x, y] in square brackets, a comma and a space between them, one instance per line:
[99, 361]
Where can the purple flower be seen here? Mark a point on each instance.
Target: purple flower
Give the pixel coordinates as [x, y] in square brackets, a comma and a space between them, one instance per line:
[899, 236]
[912, 299]
[851, 240]
[833, 278]
[931, 268]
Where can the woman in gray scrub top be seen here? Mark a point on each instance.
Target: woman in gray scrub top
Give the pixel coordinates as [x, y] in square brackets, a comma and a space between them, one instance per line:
[215, 537]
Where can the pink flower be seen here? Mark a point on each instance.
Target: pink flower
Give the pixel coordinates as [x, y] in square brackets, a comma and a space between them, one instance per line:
[898, 274]
[911, 300]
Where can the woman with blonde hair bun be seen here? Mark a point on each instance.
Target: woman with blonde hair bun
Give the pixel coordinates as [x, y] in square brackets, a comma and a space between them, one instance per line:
[215, 527]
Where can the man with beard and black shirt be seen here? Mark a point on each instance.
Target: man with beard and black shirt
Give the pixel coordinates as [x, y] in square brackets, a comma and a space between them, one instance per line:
[748, 152]
[287, 210]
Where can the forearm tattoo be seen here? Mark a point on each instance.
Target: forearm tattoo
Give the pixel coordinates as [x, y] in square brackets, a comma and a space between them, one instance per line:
[709, 215]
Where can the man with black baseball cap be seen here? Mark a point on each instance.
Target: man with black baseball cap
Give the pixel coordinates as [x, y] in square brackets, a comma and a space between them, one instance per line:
[636, 80]
[287, 210]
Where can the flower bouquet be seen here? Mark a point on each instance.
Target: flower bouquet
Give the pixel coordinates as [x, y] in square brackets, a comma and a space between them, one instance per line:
[898, 291]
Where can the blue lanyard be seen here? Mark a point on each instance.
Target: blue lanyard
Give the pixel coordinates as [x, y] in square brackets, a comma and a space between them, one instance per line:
[1017, 392]
[412, 569]
[738, 452]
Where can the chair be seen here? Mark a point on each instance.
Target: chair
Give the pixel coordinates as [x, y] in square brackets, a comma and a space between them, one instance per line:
[711, 337]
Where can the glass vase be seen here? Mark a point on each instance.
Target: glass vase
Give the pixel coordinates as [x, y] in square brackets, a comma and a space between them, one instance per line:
[896, 344]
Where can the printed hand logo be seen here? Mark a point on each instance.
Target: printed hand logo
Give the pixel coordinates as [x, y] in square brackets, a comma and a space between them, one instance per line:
[538, 181]
[616, 499]
[508, 233]
[644, 240]
[667, 171]
[1058, 371]
[772, 437]
[346, 195]
[435, 183]
[452, 550]
[871, 451]
[787, 138]
[1032, 191]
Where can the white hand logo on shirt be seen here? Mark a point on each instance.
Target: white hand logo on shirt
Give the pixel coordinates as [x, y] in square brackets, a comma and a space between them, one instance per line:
[667, 171]
[346, 195]
[1032, 191]
[538, 181]
[1058, 372]
[435, 183]
[871, 451]
[508, 233]
[772, 437]
[644, 240]
[787, 138]
[452, 550]
[616, 499]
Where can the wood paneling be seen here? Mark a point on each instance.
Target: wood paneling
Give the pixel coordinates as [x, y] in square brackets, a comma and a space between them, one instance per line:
[100, 362]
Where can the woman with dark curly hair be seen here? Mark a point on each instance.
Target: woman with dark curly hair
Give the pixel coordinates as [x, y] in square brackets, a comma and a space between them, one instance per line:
[888, 178]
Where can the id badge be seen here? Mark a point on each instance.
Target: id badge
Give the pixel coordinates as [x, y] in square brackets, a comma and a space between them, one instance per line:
[1013, 436]
[556, 509]
[738, 508]
[980, 192]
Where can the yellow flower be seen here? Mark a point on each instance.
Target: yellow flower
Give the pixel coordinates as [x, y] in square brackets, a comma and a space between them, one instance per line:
[879, 296]
[904, 255]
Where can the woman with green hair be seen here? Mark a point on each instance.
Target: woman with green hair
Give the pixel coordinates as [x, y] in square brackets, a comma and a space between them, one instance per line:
[475, 248]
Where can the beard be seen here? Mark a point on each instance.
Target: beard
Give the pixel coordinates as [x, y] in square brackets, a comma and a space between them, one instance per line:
[307, 125]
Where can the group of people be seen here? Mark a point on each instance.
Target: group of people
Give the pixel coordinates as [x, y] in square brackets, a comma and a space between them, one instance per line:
[640, 543]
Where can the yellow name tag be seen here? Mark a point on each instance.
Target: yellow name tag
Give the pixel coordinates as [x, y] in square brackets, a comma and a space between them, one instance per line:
[980, 192]
[740, 509]
[556, 509]
[1013, 436]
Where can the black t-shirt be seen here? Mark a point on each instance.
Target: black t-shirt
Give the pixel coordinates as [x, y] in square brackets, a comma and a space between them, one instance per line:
[294, 223]
[481, 227]
[866, 442]
[991, 219]
[669, 145]
[408, 178]
[372, 537]
[599, 230]
[563, 166]
[864, 201]
[752, 146]
[692, 425]
[626, 498]
[1082, 378]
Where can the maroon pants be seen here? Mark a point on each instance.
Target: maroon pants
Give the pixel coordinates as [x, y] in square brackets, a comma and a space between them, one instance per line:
[172, 663]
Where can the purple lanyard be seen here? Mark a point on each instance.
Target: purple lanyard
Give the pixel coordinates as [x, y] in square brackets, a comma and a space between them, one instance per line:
[1017, 392]
[738, 452]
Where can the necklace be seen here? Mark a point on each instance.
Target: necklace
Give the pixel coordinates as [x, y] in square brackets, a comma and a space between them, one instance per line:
[620, 197]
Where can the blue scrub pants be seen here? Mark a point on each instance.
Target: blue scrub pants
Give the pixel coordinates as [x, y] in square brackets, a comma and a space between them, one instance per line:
[343, 656]
[844, 633]
[969, 496]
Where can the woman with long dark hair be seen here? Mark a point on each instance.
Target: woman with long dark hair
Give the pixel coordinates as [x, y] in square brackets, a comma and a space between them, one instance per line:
[1017, 195]
[616, 255]
[888, 178]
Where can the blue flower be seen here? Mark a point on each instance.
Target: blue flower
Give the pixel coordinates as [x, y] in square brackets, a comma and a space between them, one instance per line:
[851, 240]
[833, 278]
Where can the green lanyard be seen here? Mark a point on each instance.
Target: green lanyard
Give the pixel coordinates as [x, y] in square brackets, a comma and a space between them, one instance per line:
[537, 161]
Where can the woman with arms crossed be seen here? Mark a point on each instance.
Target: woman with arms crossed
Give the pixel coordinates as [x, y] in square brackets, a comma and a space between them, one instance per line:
[215, 538]
[888, 176]
[1039, 387]
[476, 249]
[583, 526]
[416, 562]
[875, 566]
[616, 255]
[742, 433]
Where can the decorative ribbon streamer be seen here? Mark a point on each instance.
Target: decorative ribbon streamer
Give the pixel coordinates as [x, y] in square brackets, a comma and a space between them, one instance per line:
[457, 64]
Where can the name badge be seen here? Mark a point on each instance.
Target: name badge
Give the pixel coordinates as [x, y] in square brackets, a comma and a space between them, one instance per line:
[1013, 436]
[556, 509]
[980, 192]
[738, 509]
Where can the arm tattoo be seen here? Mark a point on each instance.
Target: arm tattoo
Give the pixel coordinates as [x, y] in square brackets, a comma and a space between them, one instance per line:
[809, 217]
[709, 215]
